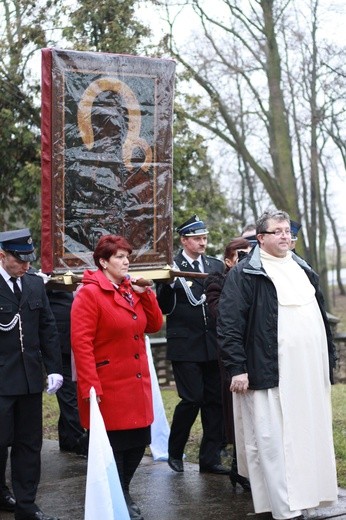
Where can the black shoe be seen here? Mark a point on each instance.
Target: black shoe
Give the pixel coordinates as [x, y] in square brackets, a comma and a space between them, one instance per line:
[7, 500]
[217, 469]
[82, 445]
[243, 481]
[133, 509]
[134, 515]
[176, 464]
[131, 503]
[39, 515]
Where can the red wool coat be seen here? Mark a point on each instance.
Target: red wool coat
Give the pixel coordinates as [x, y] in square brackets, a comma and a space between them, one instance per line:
[108, 344]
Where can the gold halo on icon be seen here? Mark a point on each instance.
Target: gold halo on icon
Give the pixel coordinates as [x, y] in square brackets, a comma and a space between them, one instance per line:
[132, 139]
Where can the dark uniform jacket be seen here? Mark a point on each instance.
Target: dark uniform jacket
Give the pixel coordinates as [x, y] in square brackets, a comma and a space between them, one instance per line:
[21, 367]
[248, 322]
[61, 303]
[191, 334]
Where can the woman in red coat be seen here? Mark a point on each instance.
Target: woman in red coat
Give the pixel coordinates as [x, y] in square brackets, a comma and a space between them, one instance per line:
[109, 318]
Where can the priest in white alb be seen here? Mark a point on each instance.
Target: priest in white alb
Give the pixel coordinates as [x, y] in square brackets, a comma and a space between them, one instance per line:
[277, 346]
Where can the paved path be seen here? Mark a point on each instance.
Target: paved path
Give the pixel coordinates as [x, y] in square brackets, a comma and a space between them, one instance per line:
[161, 493]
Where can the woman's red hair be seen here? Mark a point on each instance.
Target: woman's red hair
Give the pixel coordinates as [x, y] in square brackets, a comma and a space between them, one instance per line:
[234, 245]
[109, 245]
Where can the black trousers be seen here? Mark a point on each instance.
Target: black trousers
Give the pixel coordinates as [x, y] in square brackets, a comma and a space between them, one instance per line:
[128, 449]
[127, 462]
[69, 428]
[3, 462]
[227, 404]
[199, 388]
[21, 428]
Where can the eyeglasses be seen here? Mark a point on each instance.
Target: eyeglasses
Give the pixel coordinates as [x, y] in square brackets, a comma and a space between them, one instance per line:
[277, 232]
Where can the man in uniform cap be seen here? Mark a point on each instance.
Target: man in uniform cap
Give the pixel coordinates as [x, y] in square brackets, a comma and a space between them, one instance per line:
[192, 227]
[28, 337]
[295, 228]
[19, 243]
[249, 232]
[192, 348]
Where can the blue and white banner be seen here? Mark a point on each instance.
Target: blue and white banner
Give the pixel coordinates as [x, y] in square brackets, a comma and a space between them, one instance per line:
[104, 498]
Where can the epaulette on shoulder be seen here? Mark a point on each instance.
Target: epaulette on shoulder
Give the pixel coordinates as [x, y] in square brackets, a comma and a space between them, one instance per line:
[214, 259]
[31, 272]
[38, 274]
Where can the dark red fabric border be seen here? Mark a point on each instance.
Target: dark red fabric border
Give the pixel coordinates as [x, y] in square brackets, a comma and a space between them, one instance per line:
[46, 162]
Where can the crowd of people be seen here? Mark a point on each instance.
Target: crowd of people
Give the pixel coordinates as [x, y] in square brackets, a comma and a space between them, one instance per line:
[259, 384]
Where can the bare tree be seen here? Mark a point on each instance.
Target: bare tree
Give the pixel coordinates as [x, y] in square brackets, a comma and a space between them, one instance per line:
[262, 92]
[247, 54]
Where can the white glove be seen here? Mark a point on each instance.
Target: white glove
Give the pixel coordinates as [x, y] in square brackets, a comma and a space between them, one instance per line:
[44, 276]
[55, 381]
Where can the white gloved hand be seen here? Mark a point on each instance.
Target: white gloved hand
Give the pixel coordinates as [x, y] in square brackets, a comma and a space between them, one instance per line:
[44, 276]
[55, 381]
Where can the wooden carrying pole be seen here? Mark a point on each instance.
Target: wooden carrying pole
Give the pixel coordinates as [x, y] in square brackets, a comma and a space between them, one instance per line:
[69, 280]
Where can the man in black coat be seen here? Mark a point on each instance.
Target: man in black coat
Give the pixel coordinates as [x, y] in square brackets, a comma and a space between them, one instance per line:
[28, 341]
[192, 348]
[72, 437]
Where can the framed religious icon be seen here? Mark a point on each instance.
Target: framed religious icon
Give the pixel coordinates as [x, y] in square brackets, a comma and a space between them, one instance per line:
[106, 157]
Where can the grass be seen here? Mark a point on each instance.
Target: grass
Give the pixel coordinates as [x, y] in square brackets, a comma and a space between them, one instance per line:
[170, 399]
[339, 428]
[338, 309]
